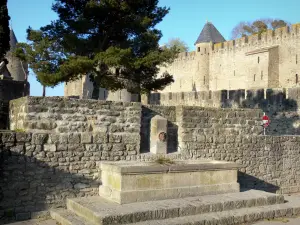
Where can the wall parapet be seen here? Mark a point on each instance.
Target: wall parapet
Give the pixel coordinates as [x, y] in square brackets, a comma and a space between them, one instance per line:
[270, 36]
[64, 115]
[255, 40]
[279, 98]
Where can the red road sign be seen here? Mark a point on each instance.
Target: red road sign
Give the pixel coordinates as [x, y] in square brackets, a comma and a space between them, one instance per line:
[266, 121]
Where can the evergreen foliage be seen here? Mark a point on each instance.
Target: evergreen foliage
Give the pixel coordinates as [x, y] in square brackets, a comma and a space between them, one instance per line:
[4, 29]
[113, 41]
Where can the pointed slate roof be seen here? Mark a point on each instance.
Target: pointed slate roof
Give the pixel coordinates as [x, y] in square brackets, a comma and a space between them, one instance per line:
[210, 33]
[13, 39]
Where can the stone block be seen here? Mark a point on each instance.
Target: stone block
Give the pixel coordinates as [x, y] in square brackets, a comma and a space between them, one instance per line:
[131, 138]
[158, 135]
[115, 138]
[126, 182]
[9, 137]
[50, 148]
[23, 137]
[100, 137]
[74, 138]
[39, 139]
[19, 149]
[22, 216]
[86, 138]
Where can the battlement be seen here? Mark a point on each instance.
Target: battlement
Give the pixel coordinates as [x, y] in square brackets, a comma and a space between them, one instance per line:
[279, 98]
[190, 55]
[270, 36]
[185, 55]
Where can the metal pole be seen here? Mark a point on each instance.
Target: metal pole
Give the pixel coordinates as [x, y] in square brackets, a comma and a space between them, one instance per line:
[264, 131]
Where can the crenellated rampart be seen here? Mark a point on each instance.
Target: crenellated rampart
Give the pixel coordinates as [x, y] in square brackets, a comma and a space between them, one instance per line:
[266, 38]
[269, 99]
[281, 105]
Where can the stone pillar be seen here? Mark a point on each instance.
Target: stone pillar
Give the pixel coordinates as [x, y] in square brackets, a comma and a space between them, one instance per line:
[145, 99]
[158, 135]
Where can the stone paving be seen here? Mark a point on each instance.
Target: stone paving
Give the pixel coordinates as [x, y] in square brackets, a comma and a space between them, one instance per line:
[36, 222]
[286, 221]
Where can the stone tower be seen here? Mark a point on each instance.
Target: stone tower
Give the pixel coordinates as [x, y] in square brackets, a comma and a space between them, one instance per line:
[208, 36]
[16, 68]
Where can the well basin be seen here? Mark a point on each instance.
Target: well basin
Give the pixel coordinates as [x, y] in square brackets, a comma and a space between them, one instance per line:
[128, 181]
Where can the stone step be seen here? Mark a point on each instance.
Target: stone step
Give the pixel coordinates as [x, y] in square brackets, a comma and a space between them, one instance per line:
[234, 217]
[66, 217]
[100, 211]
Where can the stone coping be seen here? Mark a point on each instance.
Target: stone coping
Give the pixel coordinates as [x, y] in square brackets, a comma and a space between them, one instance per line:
[133, 167]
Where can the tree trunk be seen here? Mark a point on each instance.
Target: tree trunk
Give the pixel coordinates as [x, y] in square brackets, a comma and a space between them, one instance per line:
[44, 91]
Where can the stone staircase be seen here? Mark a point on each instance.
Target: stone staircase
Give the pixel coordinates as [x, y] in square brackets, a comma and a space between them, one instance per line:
[225, 209]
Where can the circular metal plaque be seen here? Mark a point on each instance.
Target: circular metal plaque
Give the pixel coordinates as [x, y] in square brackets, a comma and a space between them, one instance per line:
[162, 136]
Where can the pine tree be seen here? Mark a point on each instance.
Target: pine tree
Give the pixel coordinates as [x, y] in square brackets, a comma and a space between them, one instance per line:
[4, 29]
[113, 41]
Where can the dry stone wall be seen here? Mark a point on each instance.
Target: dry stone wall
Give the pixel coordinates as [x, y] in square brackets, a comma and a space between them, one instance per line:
[63, 115]
[40, 170]
[270, 162]
[197, 124]
[57, 149]
[10, 89]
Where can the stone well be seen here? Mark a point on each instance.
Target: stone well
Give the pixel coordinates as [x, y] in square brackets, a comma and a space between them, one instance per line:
[127, 182]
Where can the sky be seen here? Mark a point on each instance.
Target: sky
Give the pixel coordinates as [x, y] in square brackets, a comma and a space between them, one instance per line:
[185, 20]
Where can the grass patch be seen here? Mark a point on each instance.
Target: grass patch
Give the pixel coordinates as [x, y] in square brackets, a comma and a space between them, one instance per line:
[19, 131]
[164, 161]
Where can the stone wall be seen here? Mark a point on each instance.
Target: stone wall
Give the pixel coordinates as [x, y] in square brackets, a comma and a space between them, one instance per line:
[281, 105]
[195, 123]
[267, 99]
[40, 170]
[10, 89]
[271, 162]
[118, 120]
[267, 60]
[71, 137]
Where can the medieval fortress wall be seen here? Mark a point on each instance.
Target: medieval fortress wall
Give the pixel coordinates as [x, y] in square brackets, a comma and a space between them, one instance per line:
[268, 60]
